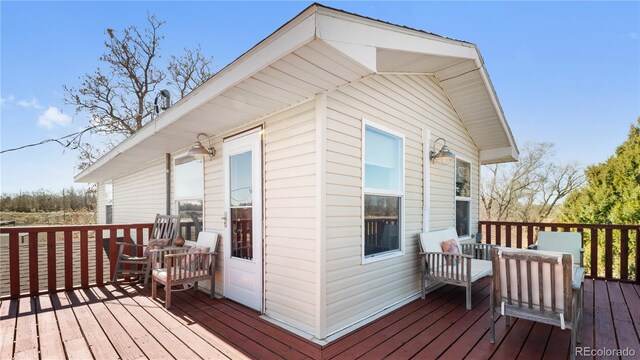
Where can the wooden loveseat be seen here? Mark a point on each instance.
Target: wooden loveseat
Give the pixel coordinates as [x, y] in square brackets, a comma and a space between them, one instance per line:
[457, 269]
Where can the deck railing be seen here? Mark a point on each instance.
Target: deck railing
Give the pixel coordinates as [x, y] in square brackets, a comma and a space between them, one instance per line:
[39, 259]
[611, 251]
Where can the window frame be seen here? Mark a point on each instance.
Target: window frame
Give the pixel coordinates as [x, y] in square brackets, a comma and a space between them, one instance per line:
[178, 199]
[457, 198]
[367, 259]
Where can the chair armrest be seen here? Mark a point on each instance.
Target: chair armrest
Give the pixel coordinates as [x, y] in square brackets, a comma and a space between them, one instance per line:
[130, 244]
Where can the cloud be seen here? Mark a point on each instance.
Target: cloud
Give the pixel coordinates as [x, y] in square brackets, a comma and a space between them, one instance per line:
[4, 101]
[633, 35]
[33, 103]
[53, 117]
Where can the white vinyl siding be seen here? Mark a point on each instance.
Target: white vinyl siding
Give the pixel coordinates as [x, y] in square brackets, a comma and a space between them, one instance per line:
[101, 202]
[290, 257]
[406, 104]
[140, 195]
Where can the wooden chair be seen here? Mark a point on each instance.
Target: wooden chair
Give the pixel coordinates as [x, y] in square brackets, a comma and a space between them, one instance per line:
[164, 227]
[188, 268]
[456, 269]
[565, 242]
[542, 286]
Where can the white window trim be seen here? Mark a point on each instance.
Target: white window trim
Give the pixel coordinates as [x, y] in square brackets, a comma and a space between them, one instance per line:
[463, 198]
[401, 251]
[177, 199]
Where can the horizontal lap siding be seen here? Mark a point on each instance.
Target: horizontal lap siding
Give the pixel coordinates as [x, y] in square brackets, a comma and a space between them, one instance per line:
[140, 195]
[101, 213]
[405, 104]
[290, 258]
[214, 206]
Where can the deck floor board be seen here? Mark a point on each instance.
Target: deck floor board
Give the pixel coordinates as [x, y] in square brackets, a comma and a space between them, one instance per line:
[124, 322]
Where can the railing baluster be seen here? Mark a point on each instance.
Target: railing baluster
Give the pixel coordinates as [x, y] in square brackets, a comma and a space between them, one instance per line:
[507, 233]
[14, 265]
[68, 260]
[594, 251]
[489, 239]
[499, 234]
[99, 252]
[519, 236]
[52, 284]
[34, 285]
[113, 234]
[624, 254]
[529, 235]
[84, 258]
[608, 253]
[637, 255]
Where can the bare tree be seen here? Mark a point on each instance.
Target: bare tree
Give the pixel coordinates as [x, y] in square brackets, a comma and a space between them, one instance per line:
[119, 99]
[530, 189]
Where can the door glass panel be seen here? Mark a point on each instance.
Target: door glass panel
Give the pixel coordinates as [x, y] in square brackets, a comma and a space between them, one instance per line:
[241, 201]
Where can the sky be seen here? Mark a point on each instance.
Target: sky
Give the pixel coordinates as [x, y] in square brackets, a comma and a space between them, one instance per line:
[565, 72]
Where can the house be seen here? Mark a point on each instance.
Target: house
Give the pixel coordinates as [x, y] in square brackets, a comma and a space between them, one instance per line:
[322, 177]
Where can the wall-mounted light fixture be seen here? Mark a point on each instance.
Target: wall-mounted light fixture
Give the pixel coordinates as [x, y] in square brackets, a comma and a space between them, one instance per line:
[442, 156]
[199, 151]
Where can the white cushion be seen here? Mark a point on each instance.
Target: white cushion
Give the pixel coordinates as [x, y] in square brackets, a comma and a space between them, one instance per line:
[430, 242]
[565, 242]
[162, 273]
[479, 269]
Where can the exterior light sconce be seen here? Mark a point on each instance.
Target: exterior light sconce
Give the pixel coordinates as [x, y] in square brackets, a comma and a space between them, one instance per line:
[199, 151]
[442, 156]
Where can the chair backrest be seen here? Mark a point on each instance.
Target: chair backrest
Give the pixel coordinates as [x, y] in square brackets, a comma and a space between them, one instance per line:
[532, 279]
[430, 242]
[564, 242]
[165, 227]
[206, 239]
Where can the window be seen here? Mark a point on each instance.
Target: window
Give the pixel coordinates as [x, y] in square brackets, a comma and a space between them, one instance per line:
[108, 200]
[463, 198]
[383, 191]
[189, 193]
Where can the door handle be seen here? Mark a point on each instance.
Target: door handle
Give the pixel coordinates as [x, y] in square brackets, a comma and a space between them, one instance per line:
[224, 218]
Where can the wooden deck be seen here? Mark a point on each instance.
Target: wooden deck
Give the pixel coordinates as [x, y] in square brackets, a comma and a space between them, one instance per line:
[110, 322]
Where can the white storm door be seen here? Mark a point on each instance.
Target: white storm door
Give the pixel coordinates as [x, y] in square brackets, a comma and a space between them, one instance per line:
[243, 220]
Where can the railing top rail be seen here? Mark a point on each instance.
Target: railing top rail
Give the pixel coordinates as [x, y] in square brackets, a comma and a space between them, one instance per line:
[58, 228]
[564, 225]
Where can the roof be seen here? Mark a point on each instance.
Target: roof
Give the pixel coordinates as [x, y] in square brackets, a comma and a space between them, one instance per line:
[319, 50]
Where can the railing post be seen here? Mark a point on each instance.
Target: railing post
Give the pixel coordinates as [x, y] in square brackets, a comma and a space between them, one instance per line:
[594, 251]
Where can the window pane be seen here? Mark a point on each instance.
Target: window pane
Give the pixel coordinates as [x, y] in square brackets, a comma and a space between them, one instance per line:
[108, 192]
[190, 212]
[381, 224]
[463, 215]
[240, 179]
[241, 233]
[189, 182]
[383, 160]
[463, 176]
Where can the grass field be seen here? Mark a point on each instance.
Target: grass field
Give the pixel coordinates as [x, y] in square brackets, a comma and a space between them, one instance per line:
[82, 217]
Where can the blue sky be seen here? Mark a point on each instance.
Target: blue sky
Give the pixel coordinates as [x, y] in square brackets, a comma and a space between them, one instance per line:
[565, 72]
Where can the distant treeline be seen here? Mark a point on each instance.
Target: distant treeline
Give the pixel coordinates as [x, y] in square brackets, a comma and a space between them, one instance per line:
[42, 200]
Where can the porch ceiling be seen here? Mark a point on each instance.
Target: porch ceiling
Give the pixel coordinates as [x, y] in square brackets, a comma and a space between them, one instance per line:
[297, 77]
[319, 50]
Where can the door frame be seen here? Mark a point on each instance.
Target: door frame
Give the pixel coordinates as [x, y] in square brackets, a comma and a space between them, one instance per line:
[248, 140]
